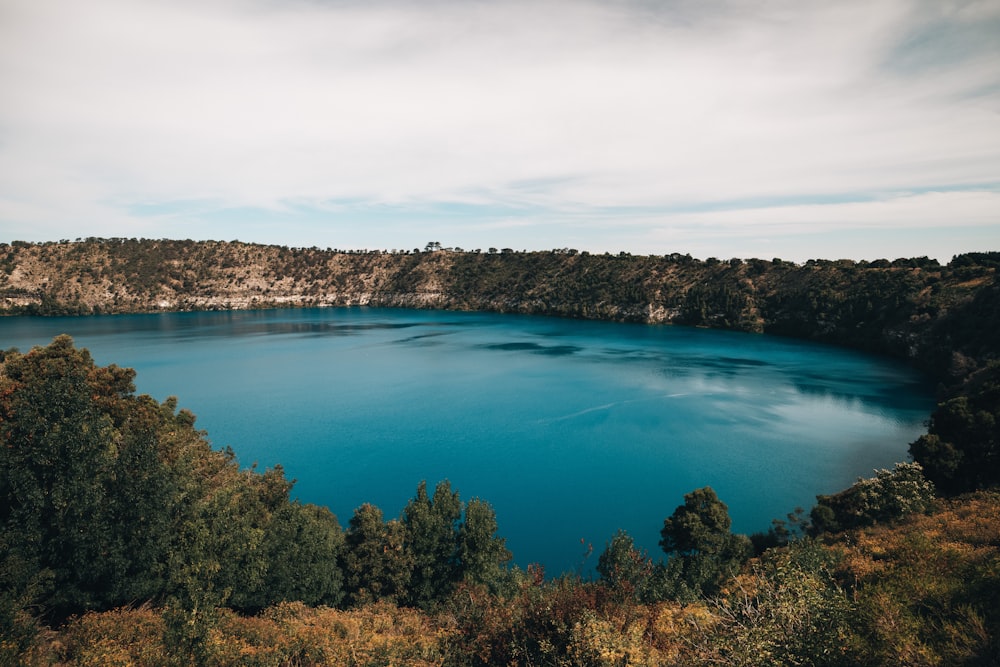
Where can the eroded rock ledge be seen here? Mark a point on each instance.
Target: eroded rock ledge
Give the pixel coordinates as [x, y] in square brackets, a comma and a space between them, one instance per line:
[937, 317]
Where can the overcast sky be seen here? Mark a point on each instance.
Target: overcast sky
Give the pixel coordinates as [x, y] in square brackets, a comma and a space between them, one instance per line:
[762, 128]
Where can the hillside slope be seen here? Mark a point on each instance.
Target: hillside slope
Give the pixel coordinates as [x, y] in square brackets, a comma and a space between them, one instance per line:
[906, 308]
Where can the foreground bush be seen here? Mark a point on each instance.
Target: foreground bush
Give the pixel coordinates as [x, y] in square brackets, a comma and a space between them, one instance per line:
[928, 593]
[924, 591]
[288, 634]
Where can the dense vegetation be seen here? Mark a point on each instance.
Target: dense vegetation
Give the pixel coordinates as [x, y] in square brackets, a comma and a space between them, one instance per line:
[125, 530]
[110, 498]
[122, 526]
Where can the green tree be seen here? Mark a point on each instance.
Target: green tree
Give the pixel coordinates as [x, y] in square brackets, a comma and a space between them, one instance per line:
[375, 565]
[961, 451]
[139, 501]
[705, 552]
[107, 499]
[624, 568]
[431, 525]
[482, 555]
[894, 493]
[302, 545]
[700, 525]
[57, 461]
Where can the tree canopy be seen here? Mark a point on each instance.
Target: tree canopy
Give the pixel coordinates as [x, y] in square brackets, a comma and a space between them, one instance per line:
[705, 552]
[108, 498]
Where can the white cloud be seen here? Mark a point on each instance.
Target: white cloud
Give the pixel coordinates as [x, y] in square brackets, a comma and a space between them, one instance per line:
[912, 212]
[595, 104]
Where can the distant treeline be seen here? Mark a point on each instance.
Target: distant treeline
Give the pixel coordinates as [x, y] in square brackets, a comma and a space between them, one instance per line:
[884, 306]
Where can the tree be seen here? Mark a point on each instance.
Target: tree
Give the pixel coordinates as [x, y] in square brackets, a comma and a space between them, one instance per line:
[420, 559]
[700, 525]
[108, 499]
[782, 532]
[58, 489]
[705, 553]
[376, 567]
[139, 503]
[303, 544]
[482, 555]
[625, 568]
[431, 540]
[888, 495]
[961, 451]
[894, 493]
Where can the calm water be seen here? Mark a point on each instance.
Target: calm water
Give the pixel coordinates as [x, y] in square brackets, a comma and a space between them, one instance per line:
[570, 429]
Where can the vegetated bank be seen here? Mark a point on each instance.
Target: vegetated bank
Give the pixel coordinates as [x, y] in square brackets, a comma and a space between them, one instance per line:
[112, 499]
[892, 307]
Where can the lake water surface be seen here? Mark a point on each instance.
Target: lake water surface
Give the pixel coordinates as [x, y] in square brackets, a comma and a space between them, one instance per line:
[570, 429]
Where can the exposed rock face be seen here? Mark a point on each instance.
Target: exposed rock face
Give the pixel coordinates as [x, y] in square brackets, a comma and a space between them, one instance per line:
[905, 307]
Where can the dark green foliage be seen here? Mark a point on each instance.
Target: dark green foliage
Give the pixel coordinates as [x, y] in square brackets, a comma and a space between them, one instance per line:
[965, 339]
[482, 556]
[705, 553]
[700, 525]
[107, 499]
[961, 450]
[727, 302]
[301, 546]
[376, 566]
[626, 570]
[845, 303]
[781, 532]
[421, 559]
[18, 629]
[138, 507]
[986, 259]
[65, 482]
[431, 530]
[448, 543]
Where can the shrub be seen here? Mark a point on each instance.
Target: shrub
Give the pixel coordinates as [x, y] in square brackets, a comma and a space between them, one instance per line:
[888, 495]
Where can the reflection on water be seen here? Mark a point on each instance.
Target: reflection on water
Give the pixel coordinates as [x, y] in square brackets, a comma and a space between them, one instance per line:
[554, 350]
[570, 429]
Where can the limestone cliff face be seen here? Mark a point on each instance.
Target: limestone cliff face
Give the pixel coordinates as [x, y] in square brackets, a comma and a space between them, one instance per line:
[906, 307]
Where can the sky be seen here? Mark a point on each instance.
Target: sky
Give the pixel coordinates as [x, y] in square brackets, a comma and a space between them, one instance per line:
[796, 129]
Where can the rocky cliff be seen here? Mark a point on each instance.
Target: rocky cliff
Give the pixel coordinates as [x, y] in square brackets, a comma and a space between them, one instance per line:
[941, 318]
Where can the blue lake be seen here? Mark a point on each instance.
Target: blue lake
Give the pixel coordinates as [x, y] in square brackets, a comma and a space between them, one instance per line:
[570, 429]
